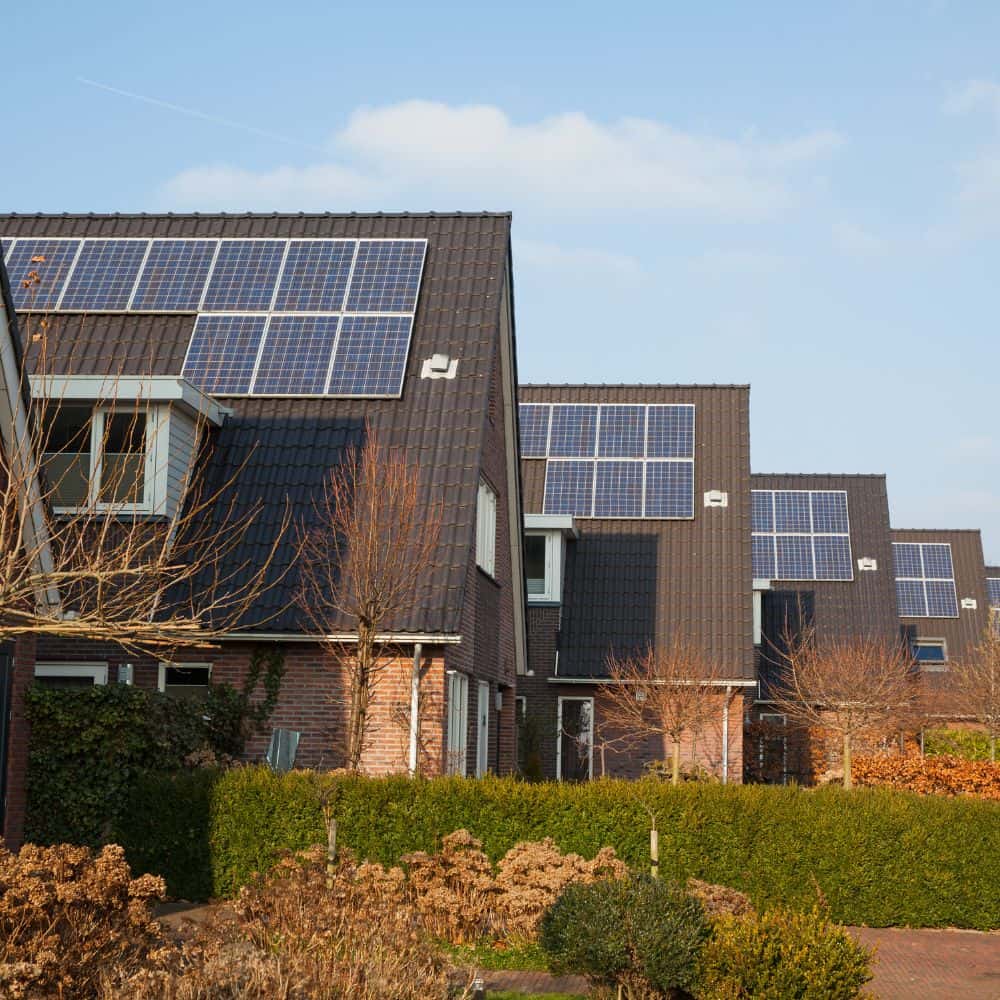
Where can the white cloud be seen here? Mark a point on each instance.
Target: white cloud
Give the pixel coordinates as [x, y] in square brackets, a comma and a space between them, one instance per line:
[582, 265]
[422, 154]
[856, 241]
[974, 95]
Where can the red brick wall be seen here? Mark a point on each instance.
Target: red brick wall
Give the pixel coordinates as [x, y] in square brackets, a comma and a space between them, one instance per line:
[17, 745]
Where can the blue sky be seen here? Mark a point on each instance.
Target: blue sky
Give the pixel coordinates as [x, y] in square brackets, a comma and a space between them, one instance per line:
[803, 198]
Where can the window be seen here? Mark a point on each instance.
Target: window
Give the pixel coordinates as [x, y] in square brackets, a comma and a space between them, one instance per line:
[929, 652]
[458, 722]
[575, 739]
[486, 528]
[543, 565]
[71, 675]
[185, 680]
[94, 455]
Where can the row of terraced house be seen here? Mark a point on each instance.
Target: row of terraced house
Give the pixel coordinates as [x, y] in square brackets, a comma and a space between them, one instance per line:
[576, 521]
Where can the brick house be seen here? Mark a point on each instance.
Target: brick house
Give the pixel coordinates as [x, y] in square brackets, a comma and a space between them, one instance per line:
[637, 513]
[280, 337]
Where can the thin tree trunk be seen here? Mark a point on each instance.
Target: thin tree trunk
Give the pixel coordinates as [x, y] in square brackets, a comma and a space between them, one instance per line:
[848, 781]
[993, 748]
[675, 776]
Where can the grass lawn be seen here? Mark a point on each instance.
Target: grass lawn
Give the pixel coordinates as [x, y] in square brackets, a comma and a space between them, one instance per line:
[525, 957]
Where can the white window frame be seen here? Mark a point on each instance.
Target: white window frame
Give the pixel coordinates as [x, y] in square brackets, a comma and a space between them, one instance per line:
[552, 594]
[482, 728]
[457, 744]
[161, 676]
[155, 420]
[97, 671]
[559, 735]
[486, 528]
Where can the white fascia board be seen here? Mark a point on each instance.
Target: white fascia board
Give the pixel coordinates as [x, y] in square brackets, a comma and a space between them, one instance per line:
[148, 388]
[552, 522]
[761, 584]
[345, 637]
[732, 682]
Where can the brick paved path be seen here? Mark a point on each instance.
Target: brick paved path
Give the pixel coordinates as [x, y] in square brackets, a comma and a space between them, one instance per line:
[909, 965]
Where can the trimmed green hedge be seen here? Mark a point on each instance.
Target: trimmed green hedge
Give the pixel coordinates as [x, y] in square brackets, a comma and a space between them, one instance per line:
[880, 857]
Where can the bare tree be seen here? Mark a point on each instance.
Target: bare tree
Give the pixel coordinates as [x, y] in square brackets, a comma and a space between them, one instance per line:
[853, 688]
[80, 557]
[667, 693]
[363, 565]
[974, 683]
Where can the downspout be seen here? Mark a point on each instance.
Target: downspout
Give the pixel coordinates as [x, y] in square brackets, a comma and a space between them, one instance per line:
[415, 708]
[725, 736]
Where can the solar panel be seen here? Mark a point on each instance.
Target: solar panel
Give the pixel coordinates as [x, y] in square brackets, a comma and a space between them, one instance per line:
[937, 562]
[829, 512]
[223, 352]
[670, 431]
[762, 517]
[764, 565]
[386, 276]
[569, 488]
[104, 275]
[795, 557]
[911, 599]
[791, 511]
[619, 489]
[173, 277]
[622, 432]
[51, 260]
[669, 489]
[534, 421]
[833, 557]
[925, 584]
[370, 359]
[315, 276]
[296, 355]
[906, 557]
[244, 275]
[993, 589]
[942, 599]
[574, 431]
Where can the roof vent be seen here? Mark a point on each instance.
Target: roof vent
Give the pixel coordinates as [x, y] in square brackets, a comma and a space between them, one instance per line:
[716, 498]
[969, 604]
[867, 565]
[439, 366]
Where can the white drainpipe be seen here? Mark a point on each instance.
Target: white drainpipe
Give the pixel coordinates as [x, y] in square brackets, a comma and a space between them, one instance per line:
[415, 708]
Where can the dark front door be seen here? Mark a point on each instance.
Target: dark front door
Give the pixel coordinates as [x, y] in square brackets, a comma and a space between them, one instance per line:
[6, 689]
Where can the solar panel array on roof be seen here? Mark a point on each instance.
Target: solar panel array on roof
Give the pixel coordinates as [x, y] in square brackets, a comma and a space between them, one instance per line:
[613, 460]
[801, 535]
[925, 580]
[993, 590]
[274, 316]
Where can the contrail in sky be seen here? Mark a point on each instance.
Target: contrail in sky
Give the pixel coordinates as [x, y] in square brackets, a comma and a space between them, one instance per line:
[194, 113]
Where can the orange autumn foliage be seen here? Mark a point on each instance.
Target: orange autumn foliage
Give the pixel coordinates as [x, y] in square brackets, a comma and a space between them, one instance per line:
[942, 775]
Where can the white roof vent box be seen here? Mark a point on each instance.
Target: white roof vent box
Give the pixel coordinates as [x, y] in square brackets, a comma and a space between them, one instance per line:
[969, 604]
[716, 498]
[867, 565]
[439, 366]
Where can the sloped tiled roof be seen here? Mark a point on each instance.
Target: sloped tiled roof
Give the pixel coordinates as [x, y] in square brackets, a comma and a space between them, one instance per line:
[284, 447]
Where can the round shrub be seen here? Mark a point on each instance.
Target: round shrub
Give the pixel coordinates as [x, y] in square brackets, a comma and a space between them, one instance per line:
[782, 954]
[638, 933]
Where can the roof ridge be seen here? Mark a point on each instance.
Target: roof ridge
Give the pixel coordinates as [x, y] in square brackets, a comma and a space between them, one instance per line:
[818, 475]
[257, 215]
[634, 385]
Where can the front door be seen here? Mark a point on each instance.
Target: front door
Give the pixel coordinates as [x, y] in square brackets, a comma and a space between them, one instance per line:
[575, 747]
[483, 731]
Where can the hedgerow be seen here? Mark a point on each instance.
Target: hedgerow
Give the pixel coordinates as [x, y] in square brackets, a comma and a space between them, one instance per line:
[940, 775]
[879, 857]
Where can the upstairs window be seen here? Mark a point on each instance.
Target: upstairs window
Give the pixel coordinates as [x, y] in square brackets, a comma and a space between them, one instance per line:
[543, 566]
[96, 456]
[929, 652]
[486, 528]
